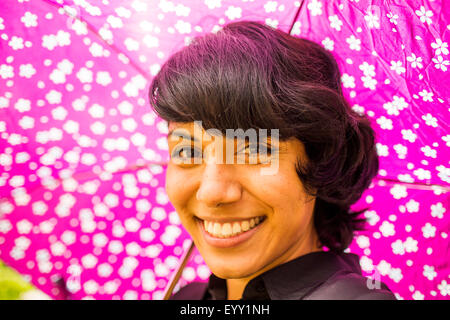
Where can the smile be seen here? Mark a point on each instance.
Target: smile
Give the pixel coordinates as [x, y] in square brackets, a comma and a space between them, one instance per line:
[231, 233]
[228, 229]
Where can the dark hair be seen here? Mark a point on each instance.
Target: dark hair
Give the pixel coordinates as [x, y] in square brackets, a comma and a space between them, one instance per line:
[250, 75]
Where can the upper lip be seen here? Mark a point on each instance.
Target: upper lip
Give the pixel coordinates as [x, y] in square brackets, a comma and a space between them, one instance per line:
[225, 220]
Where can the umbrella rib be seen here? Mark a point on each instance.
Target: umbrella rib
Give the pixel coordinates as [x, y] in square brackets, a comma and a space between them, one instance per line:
[415, 185]
[112, 46]
[296, 16]
[178, 272]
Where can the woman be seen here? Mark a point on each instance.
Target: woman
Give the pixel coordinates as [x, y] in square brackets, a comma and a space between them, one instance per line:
[263, 233]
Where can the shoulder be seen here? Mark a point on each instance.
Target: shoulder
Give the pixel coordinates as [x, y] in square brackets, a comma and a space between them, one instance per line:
[351, 286]
[192, 291]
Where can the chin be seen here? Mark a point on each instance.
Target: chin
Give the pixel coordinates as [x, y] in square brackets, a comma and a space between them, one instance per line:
[231, 271]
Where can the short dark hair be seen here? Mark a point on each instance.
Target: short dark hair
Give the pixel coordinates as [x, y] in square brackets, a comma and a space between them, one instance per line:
[250, 75]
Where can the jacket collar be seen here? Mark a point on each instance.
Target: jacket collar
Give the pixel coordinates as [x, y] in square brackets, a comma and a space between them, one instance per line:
[292, 280]
[296, 278]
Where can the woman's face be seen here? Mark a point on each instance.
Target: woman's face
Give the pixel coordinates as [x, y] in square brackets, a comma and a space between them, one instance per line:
[219, 204]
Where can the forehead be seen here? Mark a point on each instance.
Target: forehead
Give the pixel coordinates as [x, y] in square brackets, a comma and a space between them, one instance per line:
[187, 130]
[173, 125]
[180, 125]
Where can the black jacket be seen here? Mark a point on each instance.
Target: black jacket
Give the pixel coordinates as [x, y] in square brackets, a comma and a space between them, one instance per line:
[314, 276]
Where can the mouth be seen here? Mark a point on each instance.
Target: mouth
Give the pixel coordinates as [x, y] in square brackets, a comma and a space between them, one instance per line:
[229, 234]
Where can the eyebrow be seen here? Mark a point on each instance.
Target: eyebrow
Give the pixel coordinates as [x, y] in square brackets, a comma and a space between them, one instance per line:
[174, 132]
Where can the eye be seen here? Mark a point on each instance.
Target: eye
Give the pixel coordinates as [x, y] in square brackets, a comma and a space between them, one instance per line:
[186, 152]
[254, 151]
[256, 148]
[252, 148]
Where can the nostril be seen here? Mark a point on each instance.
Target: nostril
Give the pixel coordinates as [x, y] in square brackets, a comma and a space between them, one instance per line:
[216, 192]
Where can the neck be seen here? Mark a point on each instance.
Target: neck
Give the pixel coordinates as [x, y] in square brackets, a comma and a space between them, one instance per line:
[236, 287]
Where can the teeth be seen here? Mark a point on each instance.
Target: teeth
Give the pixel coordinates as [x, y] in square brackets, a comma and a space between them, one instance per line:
[230, 229]
[236, 228]
[226, 230]
[217, 229]
[210, 227]
[245, 225]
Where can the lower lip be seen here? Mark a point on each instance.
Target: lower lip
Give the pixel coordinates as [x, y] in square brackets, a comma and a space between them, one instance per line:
[230, 241]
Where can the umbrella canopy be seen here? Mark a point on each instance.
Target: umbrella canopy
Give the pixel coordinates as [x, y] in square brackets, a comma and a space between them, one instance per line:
[83, 210]
[395, 63]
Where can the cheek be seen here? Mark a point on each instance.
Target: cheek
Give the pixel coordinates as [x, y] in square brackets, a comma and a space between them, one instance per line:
[285, 195]
[280, 190]
[177, 186]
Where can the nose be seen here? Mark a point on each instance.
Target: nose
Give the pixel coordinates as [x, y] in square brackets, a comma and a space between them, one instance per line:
[218, 185]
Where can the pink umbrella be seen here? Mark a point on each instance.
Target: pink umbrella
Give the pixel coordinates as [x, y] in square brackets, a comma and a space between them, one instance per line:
[83, 210]
[394, 61]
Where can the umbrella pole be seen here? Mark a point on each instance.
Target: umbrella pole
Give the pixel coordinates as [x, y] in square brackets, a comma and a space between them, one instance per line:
[176, 275]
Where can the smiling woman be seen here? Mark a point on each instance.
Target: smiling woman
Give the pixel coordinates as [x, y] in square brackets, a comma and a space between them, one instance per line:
[263, 235]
